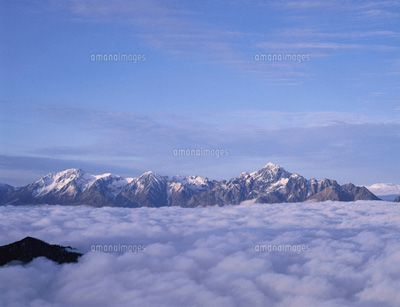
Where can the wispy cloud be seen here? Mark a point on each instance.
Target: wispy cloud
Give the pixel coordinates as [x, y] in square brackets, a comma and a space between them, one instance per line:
[182, 33]
[346, 35]
[162, 26]
[374, 9]
[308, 45]
[314, 49]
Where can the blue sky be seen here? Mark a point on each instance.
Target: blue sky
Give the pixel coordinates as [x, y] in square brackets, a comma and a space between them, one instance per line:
[335, 115]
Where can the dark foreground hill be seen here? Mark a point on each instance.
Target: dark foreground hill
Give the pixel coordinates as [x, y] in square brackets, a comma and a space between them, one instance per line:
[30, 248]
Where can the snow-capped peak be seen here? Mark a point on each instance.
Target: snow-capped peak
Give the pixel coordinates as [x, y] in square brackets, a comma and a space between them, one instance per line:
[149, 175]
[270, 172]
[148, 179]
[70, 171]
[73, 179]
[57, 181]
[272, 166]
[195, 183]
[192, 180]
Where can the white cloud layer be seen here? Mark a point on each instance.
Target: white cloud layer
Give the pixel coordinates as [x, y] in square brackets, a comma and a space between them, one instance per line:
[210, 256]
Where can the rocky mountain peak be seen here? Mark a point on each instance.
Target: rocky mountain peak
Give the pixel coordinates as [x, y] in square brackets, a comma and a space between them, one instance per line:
[270, 173]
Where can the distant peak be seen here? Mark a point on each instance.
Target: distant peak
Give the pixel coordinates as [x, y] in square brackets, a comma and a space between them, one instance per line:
[148, 173]
[272, 166]
[62, 174]
[71, 171]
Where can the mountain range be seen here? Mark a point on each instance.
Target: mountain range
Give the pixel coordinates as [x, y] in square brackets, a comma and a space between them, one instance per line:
[271, 184]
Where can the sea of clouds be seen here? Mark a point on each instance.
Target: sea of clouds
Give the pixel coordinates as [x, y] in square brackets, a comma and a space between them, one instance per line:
[308, 254]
